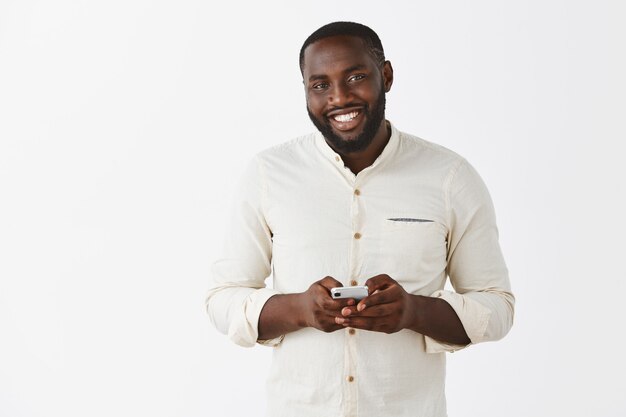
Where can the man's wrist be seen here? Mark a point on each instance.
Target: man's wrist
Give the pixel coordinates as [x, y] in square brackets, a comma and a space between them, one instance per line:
[435, 318]
[299, 313]
[281, 314]
[416, 322]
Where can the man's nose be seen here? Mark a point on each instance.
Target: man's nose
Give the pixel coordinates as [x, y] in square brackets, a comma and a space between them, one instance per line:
[340, 95]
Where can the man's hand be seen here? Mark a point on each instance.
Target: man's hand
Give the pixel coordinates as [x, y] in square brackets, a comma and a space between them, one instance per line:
[319, 309]
[285, 313]
[388, 308]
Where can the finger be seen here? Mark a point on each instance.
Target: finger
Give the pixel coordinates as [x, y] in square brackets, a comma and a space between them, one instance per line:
[372, 311]
[380, 310]
[379, 282]
[336, 305]
[372, 324]
[348, 310]
[329, 322]
[363, 323]
[329, 283]
[347, 302]
[379, 297]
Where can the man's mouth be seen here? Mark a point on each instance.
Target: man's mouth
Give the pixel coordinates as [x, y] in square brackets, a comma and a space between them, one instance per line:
[346, 117]
[345, 120]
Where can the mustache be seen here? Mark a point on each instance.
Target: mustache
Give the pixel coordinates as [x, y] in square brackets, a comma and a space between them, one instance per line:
[347, 106]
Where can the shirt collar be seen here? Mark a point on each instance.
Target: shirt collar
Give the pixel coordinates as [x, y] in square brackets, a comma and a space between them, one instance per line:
[385, 155]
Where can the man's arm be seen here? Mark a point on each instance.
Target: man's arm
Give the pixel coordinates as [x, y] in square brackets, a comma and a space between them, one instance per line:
[389, 308]
[482, 298]
[238, 293]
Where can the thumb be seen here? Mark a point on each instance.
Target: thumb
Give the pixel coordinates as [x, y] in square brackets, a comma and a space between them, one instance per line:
[378, 283]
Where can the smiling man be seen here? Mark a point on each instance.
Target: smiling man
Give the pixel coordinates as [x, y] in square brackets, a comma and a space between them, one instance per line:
[359, 203]
[349, 120]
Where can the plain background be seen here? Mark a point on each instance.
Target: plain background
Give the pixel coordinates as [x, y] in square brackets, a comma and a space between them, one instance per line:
[125, 124]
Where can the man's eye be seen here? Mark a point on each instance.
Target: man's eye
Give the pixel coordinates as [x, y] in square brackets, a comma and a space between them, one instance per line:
[356, 77]
[320, 86]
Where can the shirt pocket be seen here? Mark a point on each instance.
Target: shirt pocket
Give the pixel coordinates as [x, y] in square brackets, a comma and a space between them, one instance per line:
[413, 251]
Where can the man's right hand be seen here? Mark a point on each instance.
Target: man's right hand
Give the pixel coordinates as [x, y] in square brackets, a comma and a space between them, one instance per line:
[319, 309]
[285, 313]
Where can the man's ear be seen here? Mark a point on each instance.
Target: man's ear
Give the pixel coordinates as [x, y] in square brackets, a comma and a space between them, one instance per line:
[387, 76]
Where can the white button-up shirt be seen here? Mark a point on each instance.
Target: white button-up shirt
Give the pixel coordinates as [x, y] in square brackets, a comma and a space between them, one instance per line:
[420, 213]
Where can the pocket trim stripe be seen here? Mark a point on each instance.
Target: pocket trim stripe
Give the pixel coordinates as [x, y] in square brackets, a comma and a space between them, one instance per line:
[409, 220]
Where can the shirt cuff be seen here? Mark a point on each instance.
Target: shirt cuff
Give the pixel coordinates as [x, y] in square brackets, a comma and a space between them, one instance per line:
[474, 318]
[244, 328]
[272, 342]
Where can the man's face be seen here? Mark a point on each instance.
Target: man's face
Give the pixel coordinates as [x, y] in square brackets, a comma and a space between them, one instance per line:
[345, 91]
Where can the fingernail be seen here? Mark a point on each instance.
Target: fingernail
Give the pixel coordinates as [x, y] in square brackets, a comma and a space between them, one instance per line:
[361, 307]
[339, 320]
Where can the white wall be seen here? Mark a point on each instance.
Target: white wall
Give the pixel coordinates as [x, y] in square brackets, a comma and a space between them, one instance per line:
[124, 124]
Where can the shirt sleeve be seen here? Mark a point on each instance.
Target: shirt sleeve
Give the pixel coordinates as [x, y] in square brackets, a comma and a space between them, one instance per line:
[482, 296]
[237, 292]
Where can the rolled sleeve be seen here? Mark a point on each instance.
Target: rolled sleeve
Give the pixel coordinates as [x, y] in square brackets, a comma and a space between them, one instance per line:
[243, 329]
[238, 292]
[482, 299]
[473, 315]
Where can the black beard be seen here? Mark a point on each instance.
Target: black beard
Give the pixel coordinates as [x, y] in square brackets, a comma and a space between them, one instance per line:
[374, 117]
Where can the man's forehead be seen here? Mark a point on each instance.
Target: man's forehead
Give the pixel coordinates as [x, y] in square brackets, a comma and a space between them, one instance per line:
[336, 50]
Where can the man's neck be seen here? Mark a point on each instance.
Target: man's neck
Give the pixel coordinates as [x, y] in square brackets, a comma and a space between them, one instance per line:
[358, 161]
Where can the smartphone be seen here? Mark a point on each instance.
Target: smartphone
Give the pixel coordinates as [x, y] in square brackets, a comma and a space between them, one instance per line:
[357, 292]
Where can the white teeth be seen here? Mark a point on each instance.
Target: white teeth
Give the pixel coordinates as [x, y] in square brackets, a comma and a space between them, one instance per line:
[346, 117]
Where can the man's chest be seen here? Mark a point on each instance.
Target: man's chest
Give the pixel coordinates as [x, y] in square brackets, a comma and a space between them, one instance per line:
[355, 229]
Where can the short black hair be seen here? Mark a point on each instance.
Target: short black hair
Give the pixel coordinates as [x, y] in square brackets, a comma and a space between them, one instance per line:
[368, 36]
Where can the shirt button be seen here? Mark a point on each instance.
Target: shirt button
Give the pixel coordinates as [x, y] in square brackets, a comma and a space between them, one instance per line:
[357, 192]
[357, 235]
[353, 283]
[337, 158]
[351, 331]
[350, 378]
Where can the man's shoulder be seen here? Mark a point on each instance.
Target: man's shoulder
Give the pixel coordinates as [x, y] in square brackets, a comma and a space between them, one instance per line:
[296, 148]
[432, 151]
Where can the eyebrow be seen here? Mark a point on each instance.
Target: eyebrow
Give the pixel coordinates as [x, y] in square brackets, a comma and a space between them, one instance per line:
[357, 67]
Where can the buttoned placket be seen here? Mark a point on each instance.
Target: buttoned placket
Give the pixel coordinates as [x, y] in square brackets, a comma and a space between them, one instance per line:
[355, 186]
[356, 255]
[350, 383]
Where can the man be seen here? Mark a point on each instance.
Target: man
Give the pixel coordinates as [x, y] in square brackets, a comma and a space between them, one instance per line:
[359, 203]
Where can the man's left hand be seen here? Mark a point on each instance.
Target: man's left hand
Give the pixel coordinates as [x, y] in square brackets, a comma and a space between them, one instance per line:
[388, 308]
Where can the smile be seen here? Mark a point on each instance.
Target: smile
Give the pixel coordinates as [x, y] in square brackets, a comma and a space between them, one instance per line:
[347, 119]
[343, 118]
